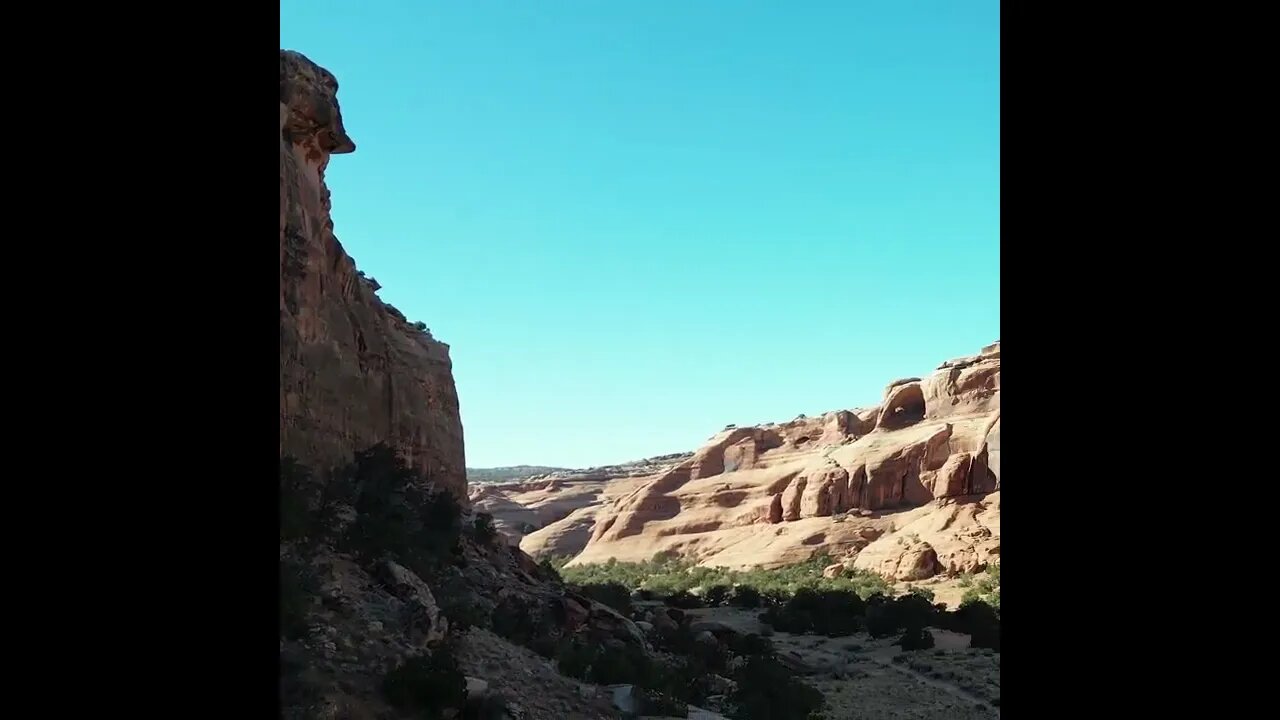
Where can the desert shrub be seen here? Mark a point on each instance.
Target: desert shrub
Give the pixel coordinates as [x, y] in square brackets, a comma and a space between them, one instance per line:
[597, 663]
[666, 575]
[550, 571]
[557, 562]
[981, 622]
[985, 588]
[768, 691]
[465, 611]
[913, 611]
[881, 617]
[745, 596]
[426, 685]
[615, 595]
[916, 639]
[925, 593]
[397, 513]
[717, 595]
[828, 612]
[484, 529]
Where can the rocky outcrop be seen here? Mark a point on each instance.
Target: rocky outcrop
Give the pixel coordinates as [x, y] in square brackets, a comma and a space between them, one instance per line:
[845, 483]
[353, 371]
[417, 597]
[903, 406]
[950, 535]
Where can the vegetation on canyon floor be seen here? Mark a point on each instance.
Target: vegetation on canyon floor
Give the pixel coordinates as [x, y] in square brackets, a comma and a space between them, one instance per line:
[666, 575]
[795, 599]
[985, 588]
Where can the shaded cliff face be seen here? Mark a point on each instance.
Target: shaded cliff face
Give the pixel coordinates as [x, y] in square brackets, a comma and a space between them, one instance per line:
[353, 371]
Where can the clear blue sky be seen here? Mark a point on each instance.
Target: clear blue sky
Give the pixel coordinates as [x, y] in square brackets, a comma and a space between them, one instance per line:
[637, 222]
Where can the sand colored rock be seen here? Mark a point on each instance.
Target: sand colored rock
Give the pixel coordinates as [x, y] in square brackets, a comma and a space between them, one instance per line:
[903, 406]
[963, 534]
[800, 487]
[848, 483]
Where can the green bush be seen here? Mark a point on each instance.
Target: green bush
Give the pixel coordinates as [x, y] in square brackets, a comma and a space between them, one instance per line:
[986, 588]
[745, 596]
[981, 621]
[827, 612]
[916, 639]
[550, 571]
[925, 593]
[397, 513]
[597, 663]
[769, 691]
[913, 611]
[464, 611]
[615, 595]
[717, 595]
[666, 576]
[881, 617]
[426, 685]
[485, 530]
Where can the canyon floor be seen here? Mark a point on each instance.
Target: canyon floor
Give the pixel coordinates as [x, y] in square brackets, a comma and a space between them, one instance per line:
[859, 676]
[863, 677]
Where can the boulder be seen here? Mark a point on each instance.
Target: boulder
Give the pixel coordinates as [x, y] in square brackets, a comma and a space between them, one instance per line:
[425, 617]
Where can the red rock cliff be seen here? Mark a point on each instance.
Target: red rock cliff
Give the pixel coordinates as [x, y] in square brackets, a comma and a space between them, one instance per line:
[353, 371]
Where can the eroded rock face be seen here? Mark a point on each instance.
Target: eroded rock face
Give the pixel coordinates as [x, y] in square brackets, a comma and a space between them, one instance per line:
[847, 483]
[904, 405]
[353, 371]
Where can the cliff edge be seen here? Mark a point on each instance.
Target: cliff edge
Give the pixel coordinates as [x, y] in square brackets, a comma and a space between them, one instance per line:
[353, 370]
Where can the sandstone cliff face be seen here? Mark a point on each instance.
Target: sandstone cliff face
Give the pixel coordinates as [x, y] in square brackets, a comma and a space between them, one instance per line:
[909, 489]
[353, 371]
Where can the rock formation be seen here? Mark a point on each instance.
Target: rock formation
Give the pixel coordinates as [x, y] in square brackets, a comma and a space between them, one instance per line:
[353, 370]
[848, 483]
[355, 373]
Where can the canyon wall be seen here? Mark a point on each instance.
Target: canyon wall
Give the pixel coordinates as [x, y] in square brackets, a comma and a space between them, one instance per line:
[353, 370]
